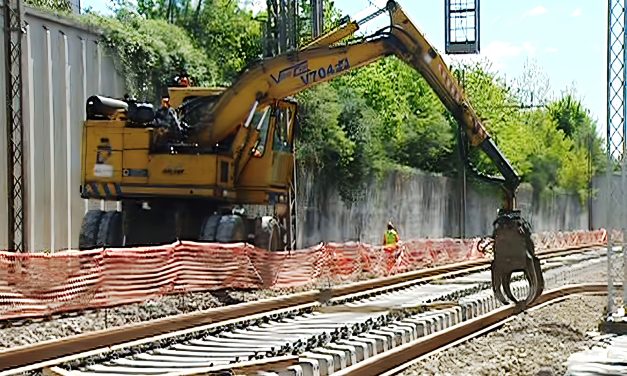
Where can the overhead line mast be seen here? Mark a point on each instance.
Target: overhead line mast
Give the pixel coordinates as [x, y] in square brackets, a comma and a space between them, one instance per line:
[13, 31]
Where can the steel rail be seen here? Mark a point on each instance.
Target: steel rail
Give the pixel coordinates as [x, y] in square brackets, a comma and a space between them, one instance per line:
[51, 352]
[243, 368]
[396, 358]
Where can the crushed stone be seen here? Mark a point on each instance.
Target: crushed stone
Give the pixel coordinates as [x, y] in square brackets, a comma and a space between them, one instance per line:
[33, 331]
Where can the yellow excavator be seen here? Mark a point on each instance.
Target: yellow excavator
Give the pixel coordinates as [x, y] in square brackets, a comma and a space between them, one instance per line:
[221, 167]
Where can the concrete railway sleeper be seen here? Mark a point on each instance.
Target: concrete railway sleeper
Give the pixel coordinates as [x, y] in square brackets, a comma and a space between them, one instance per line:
[325, 339]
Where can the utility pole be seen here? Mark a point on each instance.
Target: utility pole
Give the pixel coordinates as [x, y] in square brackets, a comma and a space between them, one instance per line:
[461, 36]
[282, 28]
[13, 30]
[281, 34]
[590, 227]
[317, 18]
[463, 158]
[616, 147]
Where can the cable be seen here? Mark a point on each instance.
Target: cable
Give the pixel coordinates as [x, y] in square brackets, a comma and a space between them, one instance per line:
[374, 5]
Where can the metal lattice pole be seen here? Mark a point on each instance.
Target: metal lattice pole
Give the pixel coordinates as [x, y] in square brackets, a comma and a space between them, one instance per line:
[317, 18]
[616, 126]
[14, 124]
[293, 224]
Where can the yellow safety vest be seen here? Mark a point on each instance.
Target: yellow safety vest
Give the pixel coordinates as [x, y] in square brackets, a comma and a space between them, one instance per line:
[390, 237]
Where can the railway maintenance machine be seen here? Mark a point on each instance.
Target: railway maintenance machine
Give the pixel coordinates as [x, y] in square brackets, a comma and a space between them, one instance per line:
[222, 169]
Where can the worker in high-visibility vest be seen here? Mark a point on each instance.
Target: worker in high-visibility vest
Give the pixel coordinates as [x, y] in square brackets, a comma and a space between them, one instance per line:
[391, 236]
[391, 247]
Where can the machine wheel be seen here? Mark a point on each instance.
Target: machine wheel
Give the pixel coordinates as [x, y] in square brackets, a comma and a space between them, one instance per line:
[88, 235]
[110, 233]
[209, 228]
[231, 229]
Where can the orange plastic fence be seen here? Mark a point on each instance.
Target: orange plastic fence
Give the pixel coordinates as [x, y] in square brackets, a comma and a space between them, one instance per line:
[38, 284]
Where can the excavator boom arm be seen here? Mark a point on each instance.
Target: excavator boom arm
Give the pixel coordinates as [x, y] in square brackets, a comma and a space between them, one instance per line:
[322, 60]
[413, 48]
[281, 76]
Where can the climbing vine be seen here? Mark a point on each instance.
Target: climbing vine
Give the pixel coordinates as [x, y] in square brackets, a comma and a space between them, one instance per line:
[149, 53]
[56, 5]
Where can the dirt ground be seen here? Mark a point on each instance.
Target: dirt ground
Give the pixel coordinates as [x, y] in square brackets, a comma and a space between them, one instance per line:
[536, 343]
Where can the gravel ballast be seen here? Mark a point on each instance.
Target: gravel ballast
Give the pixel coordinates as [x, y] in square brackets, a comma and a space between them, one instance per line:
[25, 332]
[42, 330]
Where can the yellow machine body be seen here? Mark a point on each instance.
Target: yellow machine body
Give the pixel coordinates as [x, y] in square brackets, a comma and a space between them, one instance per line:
[118, 164]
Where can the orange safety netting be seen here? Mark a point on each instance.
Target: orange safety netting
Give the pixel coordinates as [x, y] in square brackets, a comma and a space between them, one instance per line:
[38, 284]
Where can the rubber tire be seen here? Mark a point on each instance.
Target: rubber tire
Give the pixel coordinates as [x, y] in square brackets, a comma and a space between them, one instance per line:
[90, 226]
[231, 229]
[110, 233]
[209, 228]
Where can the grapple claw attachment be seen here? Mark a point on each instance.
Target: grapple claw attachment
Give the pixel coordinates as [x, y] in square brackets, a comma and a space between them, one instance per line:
[514, 252]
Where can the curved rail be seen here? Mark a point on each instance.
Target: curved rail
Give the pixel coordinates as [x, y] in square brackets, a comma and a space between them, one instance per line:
[396, 358]
[52, 352]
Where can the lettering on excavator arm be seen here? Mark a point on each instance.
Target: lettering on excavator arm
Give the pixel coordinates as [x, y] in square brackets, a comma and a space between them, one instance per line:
[292, 71]
[309, 76]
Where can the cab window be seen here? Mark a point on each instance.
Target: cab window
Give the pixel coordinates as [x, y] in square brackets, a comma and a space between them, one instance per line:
[261, 121]
[280, 140]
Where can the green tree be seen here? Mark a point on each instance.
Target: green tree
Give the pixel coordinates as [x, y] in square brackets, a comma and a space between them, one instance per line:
[586, 158]
[229, 35]
[550, 150]
[575, 121]
[569, 115]
[357, 120]
[413, 130]
[547, 147]
[322, 143]
[63, 6]
[335, 140]
[150, 52]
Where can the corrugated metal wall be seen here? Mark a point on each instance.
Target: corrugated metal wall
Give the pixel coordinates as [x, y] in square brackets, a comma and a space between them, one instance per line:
[63, 66]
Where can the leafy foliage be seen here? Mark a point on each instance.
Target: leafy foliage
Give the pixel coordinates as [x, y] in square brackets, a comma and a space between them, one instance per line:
[150, 52]
[549, 147]
[413, 129]
[229, 36]
[63, 6]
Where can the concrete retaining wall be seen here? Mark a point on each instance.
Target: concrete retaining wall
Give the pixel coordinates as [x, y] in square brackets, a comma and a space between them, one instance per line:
[425, 205]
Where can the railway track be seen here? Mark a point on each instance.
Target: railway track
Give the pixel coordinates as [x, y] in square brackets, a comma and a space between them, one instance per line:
[295, 334]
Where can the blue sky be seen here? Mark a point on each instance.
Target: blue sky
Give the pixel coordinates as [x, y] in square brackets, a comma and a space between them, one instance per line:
[566, 39]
